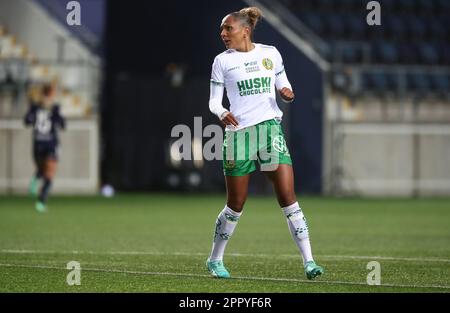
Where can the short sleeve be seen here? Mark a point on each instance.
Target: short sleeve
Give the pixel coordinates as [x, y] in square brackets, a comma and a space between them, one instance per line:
[217, 76]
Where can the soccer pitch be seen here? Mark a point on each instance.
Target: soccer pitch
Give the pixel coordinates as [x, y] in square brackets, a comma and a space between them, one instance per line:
[159, 243]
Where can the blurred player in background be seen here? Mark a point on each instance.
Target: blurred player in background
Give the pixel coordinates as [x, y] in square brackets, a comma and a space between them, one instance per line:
[46, 119]
[250, 72]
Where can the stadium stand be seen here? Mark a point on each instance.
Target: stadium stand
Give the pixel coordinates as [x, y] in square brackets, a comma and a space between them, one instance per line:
[424, 23]
[21, 71]
[386, 92]
[408, 54]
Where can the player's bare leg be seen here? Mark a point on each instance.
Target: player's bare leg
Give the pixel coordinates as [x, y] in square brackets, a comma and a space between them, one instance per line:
[283, 182]
[237, 191]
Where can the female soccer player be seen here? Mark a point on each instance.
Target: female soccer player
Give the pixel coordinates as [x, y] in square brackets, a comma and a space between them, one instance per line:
[45, 117]
[250, 72]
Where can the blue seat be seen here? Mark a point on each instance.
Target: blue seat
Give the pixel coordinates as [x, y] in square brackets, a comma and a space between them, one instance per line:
[393, 81]
[346, 6]
[379, 82]
[425, 7]
[299, 6]
[340, 80]
[365, 83]
[440, 82]
[416, 27]
[335, 25]
[408, 6]
[376, 81]
[288, 3]
[386, 52]
[355, 26]
[408, 54]
[418, 82]
[313, 21]
[428, 53]
[327, 52]
[436, 29]
[442, 7]
[395, 27]
[388, 6]
[445, 53]
[351, 54]
[326, 5]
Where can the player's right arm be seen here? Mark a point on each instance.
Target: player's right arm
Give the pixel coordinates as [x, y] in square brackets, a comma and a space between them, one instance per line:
[217, 87]
[30, 117]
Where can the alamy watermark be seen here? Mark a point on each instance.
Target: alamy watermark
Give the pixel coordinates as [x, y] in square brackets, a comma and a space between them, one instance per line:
[374, 16]
[74, 16]
[74, 276]
[374, 276]
[264, 142]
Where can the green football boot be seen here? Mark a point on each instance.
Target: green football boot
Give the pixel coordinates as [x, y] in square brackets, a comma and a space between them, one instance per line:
[41, 207]
[217, 269]
[312, 270]
[34, 184]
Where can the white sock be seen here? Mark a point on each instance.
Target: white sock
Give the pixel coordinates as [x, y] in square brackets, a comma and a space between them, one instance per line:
[299, 230]
[225, 224]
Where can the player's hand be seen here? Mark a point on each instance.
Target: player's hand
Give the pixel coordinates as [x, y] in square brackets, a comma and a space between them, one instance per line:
[229, 119]
[286, 94]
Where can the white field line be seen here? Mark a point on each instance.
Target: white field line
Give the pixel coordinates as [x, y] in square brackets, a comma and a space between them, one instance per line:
[330, 282]
[318, 256]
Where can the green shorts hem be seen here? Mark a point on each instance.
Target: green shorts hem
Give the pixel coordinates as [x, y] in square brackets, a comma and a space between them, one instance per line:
[240, 172]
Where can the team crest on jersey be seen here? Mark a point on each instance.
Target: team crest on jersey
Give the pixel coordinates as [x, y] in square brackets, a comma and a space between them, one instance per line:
[267, 63]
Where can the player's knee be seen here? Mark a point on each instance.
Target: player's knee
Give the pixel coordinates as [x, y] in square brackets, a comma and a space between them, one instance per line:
[285, 200]
[50, 169]
[49, 174]
[237, 205]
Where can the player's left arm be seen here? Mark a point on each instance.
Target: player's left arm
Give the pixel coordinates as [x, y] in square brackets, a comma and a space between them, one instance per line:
[281, 81]
[58, 118]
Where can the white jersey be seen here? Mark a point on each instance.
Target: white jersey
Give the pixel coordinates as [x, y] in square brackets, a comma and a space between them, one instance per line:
[250, 79]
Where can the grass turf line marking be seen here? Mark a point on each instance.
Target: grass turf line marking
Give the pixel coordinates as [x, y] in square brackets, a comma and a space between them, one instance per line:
[262, 255]
[329, 282]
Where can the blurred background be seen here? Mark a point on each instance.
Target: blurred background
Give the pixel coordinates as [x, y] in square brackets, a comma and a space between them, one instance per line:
[371, 115]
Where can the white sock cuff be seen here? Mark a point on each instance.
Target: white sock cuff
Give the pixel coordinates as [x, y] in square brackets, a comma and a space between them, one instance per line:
[291, 208]
[230, 211]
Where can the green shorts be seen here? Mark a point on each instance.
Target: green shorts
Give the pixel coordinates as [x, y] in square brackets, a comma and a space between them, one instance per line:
[263, 143]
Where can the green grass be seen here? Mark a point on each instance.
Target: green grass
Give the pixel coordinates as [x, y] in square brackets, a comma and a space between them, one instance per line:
[159, 243]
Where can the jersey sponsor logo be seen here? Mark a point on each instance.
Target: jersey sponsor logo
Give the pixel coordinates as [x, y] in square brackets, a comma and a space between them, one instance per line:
[254, 86]
[251, 66]
[267, 63]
